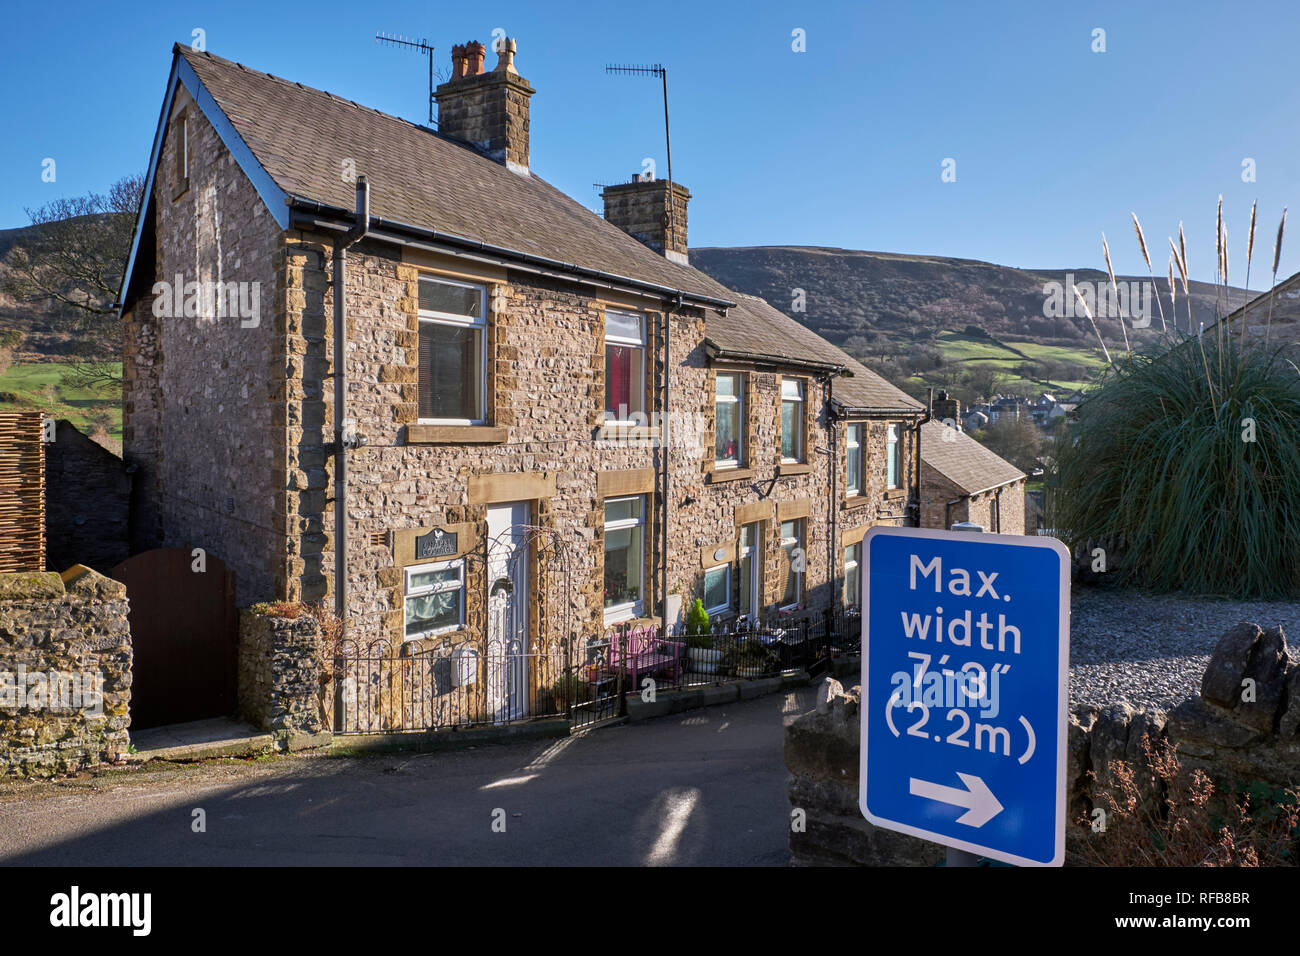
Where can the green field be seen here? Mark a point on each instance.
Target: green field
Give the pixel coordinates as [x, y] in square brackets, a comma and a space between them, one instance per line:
[962, 350]
[42, 385]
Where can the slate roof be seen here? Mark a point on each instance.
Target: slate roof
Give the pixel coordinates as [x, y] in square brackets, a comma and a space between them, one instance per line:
[866, 390]
[419, 177]
[964, 461]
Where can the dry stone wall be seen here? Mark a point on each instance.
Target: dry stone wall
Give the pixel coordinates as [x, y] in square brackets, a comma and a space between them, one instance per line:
[65, 671]
[280, 675]
[87, 502]
[1236, 732]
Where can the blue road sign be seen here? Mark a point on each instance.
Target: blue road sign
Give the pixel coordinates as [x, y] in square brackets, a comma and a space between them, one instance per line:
[966, 656]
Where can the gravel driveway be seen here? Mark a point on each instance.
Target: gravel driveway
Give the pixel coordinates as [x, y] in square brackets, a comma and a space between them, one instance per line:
[1150, 650]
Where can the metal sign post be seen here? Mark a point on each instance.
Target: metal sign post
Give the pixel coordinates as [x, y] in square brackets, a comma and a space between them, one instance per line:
[964, 691]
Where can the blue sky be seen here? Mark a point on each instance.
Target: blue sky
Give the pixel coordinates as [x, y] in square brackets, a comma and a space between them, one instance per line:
[841, 145]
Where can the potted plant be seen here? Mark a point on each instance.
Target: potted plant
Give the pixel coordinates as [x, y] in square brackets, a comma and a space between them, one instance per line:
[699, 641]
[751, 660]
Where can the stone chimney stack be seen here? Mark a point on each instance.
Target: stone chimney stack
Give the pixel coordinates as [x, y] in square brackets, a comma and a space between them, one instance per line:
[947, 409]
[490, 110]
[642, 209]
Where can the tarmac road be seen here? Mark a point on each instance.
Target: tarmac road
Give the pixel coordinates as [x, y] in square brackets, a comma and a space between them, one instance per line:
[705, 787]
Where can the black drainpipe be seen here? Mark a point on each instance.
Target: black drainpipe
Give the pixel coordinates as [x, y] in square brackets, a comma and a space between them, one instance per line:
[832, 510]
[674, 305]
[358, 232]
[929, 412]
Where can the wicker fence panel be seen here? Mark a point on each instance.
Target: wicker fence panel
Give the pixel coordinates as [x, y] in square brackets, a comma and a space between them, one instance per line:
[22, 492]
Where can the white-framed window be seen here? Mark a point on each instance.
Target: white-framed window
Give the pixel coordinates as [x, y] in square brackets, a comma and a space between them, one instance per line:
[717, 589]
[624, 558]
[853, 447]
[624, 366]
[792, 412]
[792, 545]
[893, 460]
[435, 598]
[729, 420]
[453, 336]
[853, 575]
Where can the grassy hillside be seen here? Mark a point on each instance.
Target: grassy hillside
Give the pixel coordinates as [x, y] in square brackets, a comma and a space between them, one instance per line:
[29, 385]
[894, 311]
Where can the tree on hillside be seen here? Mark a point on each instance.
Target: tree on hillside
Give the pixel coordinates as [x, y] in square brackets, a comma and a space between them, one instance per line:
[10, 339]
[1018, 440]
[75, 257]
[985, 381]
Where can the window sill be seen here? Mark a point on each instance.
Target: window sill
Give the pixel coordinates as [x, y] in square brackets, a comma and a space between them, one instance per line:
[181, 189]
[456, 434]
[893, 494]
[426, 642]
[794, 468]
[626, 431]
[856, 501]
[729, 474]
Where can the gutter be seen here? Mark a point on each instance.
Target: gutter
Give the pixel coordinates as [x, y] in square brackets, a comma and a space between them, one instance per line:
[833, 549]
[1001, 484]
[401, 233]
[904, 411]
[714, 351]
[342, 441]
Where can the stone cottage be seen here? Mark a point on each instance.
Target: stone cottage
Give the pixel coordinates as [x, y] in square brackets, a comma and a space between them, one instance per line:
[961, 480]
[393, 369]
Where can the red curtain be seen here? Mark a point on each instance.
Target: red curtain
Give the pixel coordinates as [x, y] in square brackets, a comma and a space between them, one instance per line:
[618, 371]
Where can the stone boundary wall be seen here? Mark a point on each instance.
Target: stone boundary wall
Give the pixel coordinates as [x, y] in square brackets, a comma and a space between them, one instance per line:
[55, 627]
[280, 677]
[1233, 730]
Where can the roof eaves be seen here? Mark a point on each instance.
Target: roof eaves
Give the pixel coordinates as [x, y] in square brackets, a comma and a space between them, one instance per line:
[395, 231]
[878, 411]
[716, 351]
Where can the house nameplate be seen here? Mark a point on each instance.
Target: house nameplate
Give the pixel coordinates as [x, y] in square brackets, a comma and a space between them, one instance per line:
[436, 544]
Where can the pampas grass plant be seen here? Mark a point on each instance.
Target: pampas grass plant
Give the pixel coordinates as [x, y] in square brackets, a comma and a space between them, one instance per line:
[1157, 469]
[1184, 461]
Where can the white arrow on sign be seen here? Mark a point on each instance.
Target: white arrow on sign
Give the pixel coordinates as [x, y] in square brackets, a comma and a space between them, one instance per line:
[981, 806]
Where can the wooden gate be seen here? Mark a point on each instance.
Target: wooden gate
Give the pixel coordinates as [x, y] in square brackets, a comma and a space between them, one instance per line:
[184, 637]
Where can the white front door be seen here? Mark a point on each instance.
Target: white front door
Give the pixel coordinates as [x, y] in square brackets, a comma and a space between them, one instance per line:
[507, 648]
[750, 559]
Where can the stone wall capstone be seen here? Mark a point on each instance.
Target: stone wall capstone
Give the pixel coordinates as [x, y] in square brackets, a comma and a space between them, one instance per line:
[65, 671]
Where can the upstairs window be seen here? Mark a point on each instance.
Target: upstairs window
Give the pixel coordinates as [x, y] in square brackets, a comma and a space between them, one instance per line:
[728, 407]
[791, 420]
[893, 460]
[624, 528]
[853, 446]
[453, 328]
[624, 366]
